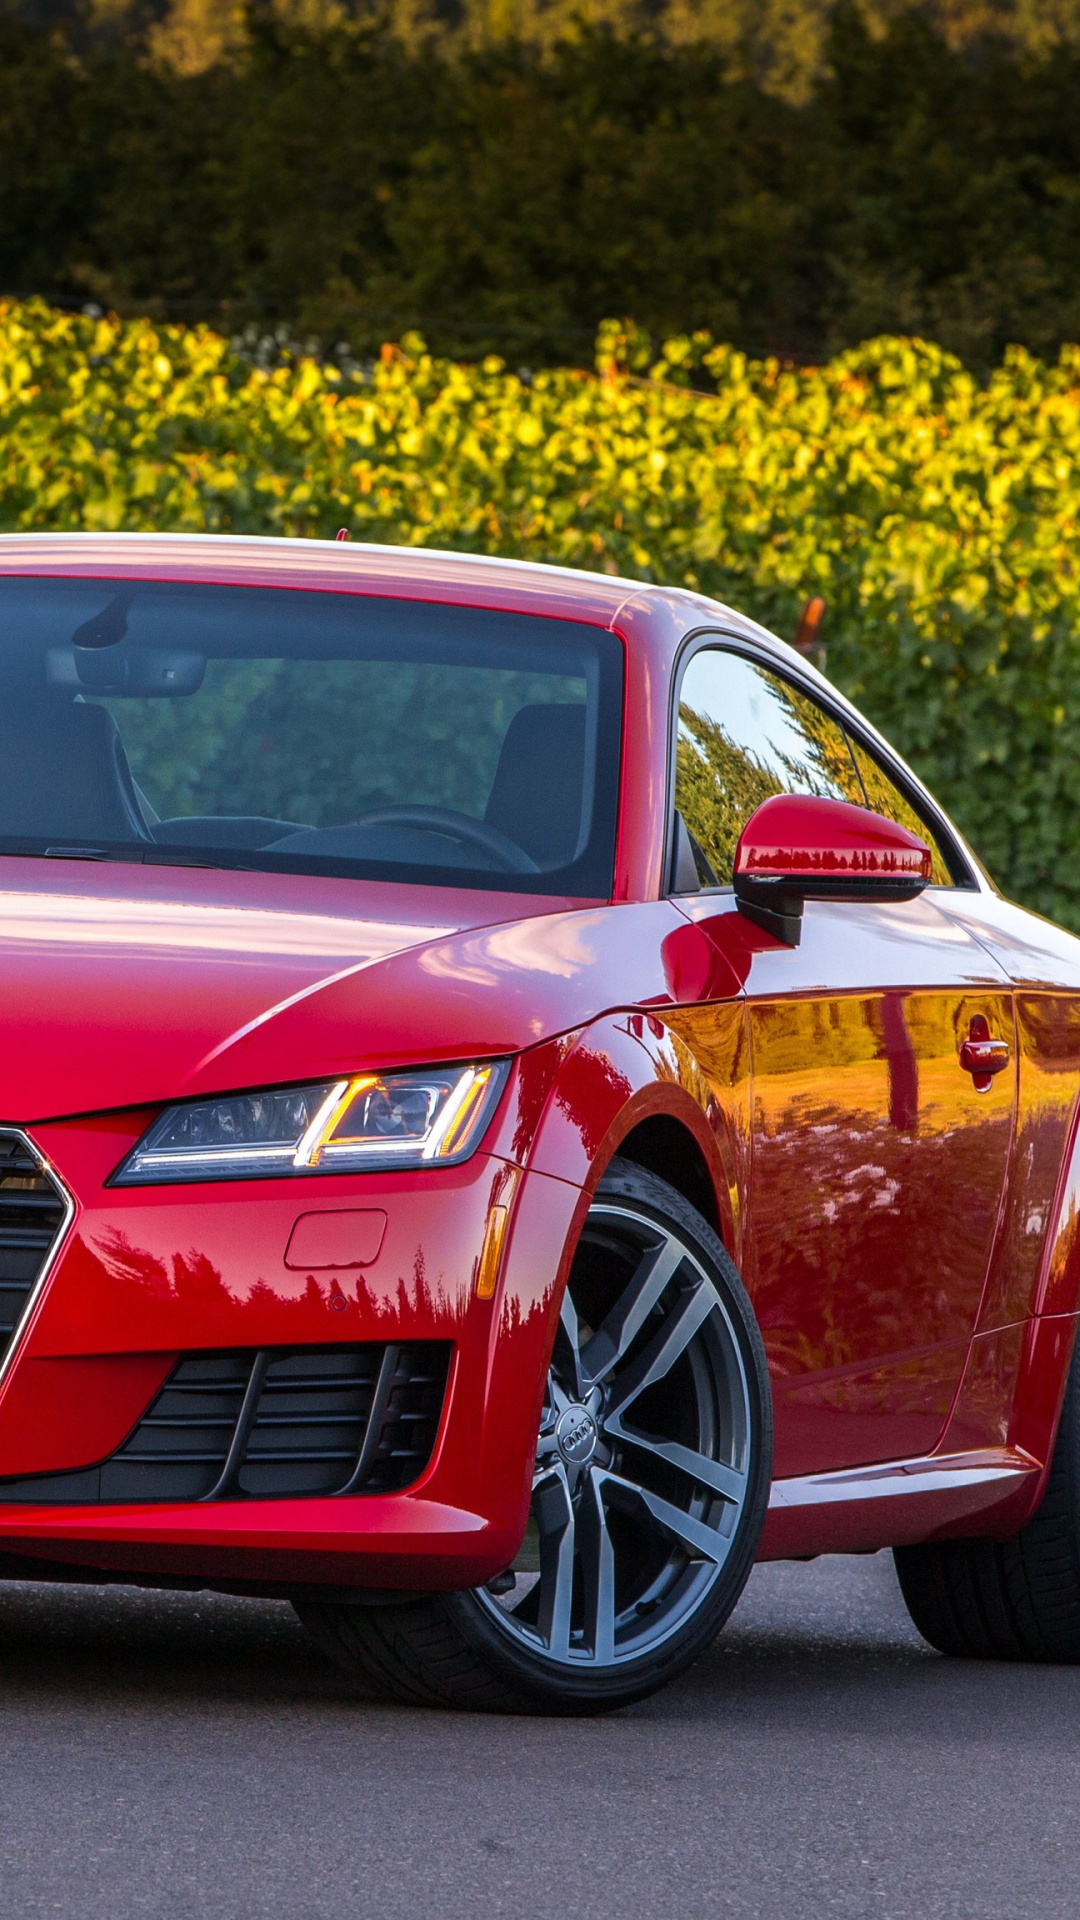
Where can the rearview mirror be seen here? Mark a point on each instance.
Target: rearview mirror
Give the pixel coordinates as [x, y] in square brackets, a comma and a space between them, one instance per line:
[145, 673]
[796, 847]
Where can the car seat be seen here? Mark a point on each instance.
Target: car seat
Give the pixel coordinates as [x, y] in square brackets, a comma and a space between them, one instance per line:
[537, 794]
[64, 774]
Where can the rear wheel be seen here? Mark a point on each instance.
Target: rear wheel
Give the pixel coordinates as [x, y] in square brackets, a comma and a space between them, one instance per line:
[651, 1481]
[1015, 1599]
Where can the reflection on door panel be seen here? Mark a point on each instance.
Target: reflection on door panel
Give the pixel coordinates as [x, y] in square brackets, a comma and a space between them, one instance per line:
[878, 1171]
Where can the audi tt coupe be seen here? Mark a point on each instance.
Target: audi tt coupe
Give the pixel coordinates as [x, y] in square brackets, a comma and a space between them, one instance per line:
[514, 1104]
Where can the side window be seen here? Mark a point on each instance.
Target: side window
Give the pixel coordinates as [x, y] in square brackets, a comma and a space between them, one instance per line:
[743, 735]
[883, 797]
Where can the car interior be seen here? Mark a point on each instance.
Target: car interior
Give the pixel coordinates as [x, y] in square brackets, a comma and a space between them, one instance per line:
[410, 738]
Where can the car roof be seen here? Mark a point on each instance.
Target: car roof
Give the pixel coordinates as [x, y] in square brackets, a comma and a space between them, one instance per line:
[422, 573]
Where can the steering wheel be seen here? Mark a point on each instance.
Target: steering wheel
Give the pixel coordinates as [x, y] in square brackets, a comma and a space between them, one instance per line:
[461, 826]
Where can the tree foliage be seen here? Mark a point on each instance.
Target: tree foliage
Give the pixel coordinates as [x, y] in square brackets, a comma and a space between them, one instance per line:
[346, 182]
[783, 45]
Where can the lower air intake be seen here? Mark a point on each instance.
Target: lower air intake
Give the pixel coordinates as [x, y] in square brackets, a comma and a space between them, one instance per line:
[34, 1211]
[271, 1424]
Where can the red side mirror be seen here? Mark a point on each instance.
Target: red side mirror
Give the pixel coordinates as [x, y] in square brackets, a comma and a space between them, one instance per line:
[795, 847]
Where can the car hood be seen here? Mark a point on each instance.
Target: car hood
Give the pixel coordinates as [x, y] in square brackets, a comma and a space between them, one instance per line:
[124, 986]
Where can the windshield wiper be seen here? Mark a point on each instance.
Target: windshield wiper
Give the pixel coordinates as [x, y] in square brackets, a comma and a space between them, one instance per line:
[139, 854]
[88, 853]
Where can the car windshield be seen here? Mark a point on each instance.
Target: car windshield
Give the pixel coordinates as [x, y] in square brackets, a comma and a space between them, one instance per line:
[307, 732]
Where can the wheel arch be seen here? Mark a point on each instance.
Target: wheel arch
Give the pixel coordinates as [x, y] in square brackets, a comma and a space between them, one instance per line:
[666, 1146]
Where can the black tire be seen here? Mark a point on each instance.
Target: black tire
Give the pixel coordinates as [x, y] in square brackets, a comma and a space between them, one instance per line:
[1015, 1599]
[634, 1558]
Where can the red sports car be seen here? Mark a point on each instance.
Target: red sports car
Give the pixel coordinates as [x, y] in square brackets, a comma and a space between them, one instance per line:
[515, 1103]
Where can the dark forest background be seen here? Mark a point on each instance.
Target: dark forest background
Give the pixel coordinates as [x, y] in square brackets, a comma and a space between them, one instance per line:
[342, 180]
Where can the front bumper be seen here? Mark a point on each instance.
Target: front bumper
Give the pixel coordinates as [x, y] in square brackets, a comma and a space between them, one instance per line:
[146, 1275]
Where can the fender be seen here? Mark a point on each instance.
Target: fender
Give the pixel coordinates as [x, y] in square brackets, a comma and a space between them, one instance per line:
[635, 1066]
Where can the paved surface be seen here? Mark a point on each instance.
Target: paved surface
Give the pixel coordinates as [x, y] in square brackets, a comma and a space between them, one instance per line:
[190, 1756]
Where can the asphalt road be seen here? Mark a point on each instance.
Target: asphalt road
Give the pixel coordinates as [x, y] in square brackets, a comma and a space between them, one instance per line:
[180, 1757]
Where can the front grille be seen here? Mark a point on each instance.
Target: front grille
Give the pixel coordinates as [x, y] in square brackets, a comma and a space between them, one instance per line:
[269, 1425]
[34, 1210]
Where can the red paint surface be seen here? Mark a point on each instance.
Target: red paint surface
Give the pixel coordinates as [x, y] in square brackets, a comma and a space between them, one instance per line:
[74, 1410]
[909, 1241]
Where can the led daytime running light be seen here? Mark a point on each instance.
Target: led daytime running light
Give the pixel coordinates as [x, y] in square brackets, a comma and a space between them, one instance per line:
[453, 1124]
[333, 1109]
[409, 1118]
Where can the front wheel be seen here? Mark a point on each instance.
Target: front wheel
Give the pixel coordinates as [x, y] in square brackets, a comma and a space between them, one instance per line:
[651, 1482]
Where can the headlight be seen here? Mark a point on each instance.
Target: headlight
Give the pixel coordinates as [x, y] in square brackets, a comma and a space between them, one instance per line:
[429, 1117]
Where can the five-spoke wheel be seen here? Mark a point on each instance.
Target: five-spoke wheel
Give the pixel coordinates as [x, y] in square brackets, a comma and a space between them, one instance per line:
[644, 1457]
[651, 1479]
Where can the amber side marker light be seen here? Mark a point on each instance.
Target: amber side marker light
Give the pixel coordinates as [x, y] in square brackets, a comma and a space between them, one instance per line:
[491, 1252]
[487, 1267]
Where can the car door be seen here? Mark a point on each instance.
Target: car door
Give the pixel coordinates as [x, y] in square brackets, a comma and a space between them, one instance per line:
[878, 1163]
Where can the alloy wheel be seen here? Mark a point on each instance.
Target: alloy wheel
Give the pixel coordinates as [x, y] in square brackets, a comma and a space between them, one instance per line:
[643, 1461]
